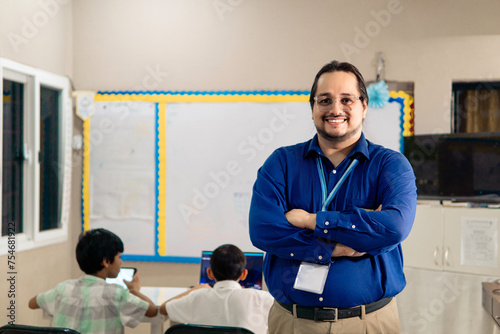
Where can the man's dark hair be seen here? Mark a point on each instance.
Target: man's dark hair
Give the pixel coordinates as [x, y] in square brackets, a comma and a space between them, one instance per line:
[94, 246]
[336, 66]
[227, 263]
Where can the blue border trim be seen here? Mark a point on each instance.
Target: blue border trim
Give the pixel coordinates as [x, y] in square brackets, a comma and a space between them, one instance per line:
[82, 227]
[157, 173]
[151, 258]
[204, 92]
[401, 102]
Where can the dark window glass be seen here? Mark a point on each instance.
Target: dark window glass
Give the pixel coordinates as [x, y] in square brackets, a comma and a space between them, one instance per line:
[12, 156]
[51, 167]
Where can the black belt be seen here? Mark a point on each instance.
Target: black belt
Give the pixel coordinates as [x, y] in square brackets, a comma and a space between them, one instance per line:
[333, 314]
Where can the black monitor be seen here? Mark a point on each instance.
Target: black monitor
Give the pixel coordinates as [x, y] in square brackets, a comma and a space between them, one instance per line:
[254, 267]
[457, 167]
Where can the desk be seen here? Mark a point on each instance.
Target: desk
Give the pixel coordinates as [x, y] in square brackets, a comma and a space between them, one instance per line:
[159, 295]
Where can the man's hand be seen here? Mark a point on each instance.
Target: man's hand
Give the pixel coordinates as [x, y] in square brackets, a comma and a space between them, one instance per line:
[301, 219]
[343, 250]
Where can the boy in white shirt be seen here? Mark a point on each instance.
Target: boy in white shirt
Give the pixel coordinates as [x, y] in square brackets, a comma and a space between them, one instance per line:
[227, 303]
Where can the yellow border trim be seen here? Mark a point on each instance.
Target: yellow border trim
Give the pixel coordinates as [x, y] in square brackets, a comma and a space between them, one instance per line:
[186, 98]
[86, 175]
[408, 116]
[162, 179]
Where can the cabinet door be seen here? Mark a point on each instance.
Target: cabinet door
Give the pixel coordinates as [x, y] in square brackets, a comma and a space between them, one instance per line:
[423, 247]
[471, 240]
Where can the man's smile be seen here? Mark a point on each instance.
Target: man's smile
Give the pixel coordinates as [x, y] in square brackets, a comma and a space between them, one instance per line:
[335, 119]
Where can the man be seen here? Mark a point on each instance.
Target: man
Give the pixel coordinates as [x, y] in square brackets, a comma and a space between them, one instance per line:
[227, 304]
[331, 214]
[89, 304]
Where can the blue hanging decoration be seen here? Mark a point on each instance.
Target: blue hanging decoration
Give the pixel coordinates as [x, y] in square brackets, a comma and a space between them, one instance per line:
[378, 95]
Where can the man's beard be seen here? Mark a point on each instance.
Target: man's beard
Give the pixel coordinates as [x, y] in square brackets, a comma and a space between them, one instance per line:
[338, 138]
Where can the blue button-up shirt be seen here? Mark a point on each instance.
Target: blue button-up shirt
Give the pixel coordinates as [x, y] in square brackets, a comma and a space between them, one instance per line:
[289, 180]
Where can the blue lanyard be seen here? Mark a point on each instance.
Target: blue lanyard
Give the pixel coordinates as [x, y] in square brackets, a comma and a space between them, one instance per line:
[327, 200]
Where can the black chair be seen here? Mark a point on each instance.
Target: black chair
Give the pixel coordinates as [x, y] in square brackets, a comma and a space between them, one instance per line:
[203, 329]
[25, 329]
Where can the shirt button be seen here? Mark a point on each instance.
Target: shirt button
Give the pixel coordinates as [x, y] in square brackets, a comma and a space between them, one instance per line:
[327, 223]
[326, 231]
[334, 171]
[291, 254]
[353, 226]
[320, 257]
[320, 299]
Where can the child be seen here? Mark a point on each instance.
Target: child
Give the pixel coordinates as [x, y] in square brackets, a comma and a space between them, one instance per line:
[227, 304]
[89, 304]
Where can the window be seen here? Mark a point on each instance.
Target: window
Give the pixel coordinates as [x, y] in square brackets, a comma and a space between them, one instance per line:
[12, 159]
[476, 106]
[36, 155]
[50, 159]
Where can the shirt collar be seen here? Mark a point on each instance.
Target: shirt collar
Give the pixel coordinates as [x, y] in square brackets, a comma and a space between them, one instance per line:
[92, 278]
[361, 147]
[227, 284]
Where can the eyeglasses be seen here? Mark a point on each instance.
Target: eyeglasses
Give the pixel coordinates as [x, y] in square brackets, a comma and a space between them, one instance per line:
[326, 103]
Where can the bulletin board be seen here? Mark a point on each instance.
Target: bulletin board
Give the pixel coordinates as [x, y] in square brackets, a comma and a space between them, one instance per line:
[387, 126]
[171, 173]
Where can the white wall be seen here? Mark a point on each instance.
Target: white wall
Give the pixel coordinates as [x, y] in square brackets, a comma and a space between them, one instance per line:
[38, 33]
[281, 44]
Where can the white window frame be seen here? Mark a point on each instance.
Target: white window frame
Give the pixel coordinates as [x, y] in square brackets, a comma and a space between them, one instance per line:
[33, 79]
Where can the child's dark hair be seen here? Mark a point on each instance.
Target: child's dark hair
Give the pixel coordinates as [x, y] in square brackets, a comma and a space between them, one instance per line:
[227, 263]
[94, 246]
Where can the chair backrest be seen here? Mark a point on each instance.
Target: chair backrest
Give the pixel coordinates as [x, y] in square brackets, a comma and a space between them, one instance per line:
[203, 329]
[25, 329]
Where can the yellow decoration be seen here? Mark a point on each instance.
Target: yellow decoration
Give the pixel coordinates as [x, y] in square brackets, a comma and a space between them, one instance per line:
[86, 175]
[408, 116]
[162, 179]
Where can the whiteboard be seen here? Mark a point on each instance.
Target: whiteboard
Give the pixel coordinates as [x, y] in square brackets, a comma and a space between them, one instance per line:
[122, 178]
[383, 126]
[172, 174]
[213, 154]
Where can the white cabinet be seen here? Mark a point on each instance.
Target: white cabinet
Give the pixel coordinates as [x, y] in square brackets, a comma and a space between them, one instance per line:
[424, 246]
[438, 236]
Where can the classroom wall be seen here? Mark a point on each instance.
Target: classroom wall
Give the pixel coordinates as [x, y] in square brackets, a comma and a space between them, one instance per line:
[238, 45]
[39, 34]
[281, 44]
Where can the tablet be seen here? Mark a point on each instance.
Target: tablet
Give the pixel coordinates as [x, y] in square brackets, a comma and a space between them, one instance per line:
[126, 273]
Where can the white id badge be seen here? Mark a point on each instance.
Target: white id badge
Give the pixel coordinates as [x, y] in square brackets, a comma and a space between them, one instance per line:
[311, 277]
